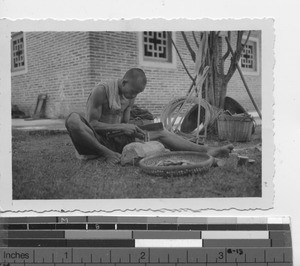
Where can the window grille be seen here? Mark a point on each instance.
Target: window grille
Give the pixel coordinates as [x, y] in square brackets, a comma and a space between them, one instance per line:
[157, 46]
[248, 57]
[18, 52]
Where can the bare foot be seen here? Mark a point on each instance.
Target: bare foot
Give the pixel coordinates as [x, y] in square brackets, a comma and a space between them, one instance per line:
[113, 158]
[220, 152]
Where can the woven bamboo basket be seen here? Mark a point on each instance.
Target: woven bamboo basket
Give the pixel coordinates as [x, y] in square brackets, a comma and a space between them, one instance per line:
[201, 163]
[235, 128]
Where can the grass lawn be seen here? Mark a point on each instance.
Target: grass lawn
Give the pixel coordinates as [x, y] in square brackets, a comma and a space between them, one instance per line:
[45, 167]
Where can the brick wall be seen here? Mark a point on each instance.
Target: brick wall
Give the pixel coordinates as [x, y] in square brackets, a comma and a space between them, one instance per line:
[58, 64]
[113, 53]
[67, 65]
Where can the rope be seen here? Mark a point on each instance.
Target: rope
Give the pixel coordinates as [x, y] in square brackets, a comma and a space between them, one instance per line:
[211, 112]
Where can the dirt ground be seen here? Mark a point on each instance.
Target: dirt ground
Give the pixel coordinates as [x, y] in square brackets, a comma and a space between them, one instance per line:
[45, 167]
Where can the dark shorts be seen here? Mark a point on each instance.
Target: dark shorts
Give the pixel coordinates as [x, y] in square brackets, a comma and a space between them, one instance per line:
[115, 144]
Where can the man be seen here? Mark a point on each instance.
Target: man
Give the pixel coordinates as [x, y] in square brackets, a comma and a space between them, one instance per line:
[108, 112]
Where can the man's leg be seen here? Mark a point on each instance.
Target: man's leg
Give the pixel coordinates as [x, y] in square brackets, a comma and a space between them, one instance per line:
[177, 143]
[85, 141]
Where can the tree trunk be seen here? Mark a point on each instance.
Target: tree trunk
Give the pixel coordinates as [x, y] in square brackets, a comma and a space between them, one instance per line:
[217, 80]
[219, 89]
[223, 92]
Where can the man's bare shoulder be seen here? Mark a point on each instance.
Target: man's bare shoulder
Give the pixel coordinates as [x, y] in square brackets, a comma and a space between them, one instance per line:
[98, 95]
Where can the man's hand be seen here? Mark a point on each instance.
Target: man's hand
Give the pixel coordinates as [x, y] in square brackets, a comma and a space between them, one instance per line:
[131, 129]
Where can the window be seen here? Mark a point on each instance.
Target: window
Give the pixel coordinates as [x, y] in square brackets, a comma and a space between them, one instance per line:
[18, 57]
[157, 46]
[156, 49]
[249, 61]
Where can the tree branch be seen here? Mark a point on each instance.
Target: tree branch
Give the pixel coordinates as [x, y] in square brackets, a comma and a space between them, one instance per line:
[243, 45]
[239, 45]
[228, 51]
[238, 53]
[193, 79]
[235, 55]
[193, 55]
[215, 54]
[249, 33]
[195, 39]
[231, 70]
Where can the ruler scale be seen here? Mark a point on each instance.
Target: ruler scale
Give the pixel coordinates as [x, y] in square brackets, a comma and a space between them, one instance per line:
[145, 241]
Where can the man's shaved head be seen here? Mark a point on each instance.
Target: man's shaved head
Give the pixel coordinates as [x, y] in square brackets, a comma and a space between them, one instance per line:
[133, 83]
[136, 75]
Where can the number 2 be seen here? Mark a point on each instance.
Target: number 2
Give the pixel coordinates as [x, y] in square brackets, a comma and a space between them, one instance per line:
[143, 254]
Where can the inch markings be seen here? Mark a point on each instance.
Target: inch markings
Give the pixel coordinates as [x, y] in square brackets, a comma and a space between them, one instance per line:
[145, 241]
[148, 255]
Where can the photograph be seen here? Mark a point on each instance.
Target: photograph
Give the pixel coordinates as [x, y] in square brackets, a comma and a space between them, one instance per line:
[162, 132]
[115, 114]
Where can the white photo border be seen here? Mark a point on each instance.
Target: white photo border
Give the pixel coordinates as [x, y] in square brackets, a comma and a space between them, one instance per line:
[7, 204]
